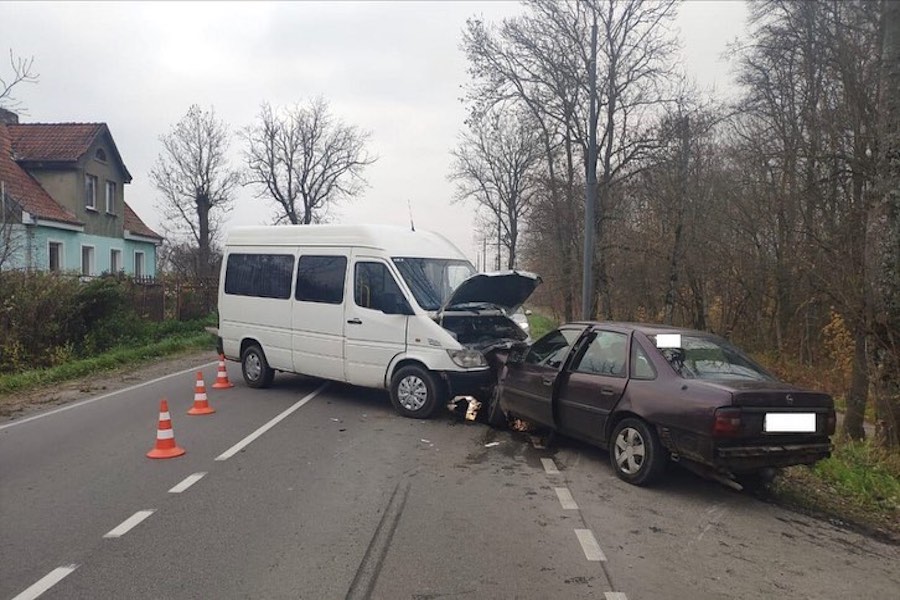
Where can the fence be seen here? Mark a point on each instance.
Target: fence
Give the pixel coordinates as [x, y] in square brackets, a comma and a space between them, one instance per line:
[176, 298]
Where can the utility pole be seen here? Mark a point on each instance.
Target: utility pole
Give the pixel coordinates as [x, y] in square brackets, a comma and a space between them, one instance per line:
[590, 191]
[499, 234]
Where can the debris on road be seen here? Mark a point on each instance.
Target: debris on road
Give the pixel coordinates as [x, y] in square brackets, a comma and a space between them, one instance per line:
[335, 420]
[492, 444]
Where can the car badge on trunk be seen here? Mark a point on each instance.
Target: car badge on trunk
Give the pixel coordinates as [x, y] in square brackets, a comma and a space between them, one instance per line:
[790, 399]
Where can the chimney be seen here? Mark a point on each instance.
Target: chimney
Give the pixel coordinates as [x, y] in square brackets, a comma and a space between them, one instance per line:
[8, 117]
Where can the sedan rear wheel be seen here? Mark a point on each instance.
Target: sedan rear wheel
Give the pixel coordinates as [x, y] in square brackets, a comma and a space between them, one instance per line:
[636, 453]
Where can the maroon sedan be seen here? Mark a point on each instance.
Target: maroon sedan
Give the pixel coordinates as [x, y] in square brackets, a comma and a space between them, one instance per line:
[651, 393]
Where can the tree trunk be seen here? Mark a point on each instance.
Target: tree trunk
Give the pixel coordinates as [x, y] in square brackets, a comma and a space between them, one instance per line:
[884, 231]
[859, 387]
[203, 241]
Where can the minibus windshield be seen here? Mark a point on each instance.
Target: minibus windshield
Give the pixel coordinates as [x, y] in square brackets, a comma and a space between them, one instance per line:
[432, 280]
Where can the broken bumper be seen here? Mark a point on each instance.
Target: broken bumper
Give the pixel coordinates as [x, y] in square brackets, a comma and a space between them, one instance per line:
[469, 383]
[749, 458]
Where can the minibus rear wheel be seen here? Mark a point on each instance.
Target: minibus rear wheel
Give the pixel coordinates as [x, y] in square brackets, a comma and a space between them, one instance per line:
[255, 367]
[414, 392]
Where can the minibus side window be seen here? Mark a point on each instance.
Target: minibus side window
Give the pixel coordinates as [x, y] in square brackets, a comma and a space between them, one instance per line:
[375, 287]
[259, 275]
[321, 279]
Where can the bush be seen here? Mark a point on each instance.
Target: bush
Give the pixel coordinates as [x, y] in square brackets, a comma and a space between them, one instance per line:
[48, 319]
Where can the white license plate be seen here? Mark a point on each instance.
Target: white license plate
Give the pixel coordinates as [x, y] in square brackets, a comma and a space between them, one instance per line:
[790, 423]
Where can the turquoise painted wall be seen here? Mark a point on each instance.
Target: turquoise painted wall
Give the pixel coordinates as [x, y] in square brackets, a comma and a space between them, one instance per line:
[36, 254]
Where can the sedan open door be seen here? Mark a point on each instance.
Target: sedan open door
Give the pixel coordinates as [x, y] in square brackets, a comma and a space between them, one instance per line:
[529, 385]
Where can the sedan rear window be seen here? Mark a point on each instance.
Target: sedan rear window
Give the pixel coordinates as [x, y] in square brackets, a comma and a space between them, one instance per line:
[700, 357]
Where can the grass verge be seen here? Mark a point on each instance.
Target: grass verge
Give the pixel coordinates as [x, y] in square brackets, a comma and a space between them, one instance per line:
[540, 325]
[118, 357]
[859, 484]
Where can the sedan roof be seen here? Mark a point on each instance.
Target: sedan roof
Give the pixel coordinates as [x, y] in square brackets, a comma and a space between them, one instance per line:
[645, 328]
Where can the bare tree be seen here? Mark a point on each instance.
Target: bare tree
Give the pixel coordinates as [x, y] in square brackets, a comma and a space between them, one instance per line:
[10, 225]
[541, 61]
[305, 160]
[193, 176]
[22, 72]
[884, 229]
[495, 165]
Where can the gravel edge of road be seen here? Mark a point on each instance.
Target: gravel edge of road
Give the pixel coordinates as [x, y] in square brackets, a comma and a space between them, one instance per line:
[19, 405]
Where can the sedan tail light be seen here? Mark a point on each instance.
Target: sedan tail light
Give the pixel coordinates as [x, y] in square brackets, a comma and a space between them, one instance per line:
[727, 422]
[831, 423]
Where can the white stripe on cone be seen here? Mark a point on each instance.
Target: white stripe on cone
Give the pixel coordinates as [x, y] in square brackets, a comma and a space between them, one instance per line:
[165, 434]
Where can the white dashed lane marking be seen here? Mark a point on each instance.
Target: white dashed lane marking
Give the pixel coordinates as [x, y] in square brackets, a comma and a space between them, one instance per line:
[285, 414]
[589, 545]
[566, 499]
[129, 523]
[615, 596]
[46, 582]
[188, 482]
[549, 466]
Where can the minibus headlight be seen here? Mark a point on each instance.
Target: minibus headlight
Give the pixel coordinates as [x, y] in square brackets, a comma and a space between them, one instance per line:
[467, 358]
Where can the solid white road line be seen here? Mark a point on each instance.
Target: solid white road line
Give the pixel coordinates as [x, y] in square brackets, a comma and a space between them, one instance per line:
[566, 499]
[589, 545]
[188, 482]
[46, 582]
[615, 596]
[249, 439]
[129, 523]
[104, 396]
[549, 466]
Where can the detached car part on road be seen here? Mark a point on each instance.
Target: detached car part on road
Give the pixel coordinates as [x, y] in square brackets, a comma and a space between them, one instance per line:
[374, 306]
[650, 393]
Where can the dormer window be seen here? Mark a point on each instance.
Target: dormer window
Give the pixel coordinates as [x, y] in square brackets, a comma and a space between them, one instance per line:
[100, 155]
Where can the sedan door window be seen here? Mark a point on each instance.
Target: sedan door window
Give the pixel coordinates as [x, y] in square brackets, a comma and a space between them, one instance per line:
[552, 349]
[605, 355]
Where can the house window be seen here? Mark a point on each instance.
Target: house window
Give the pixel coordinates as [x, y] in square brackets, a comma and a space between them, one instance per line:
[101, 155]
[111, 197]
[90, 192]
[115, 261]
[138, 264]
[87, 260]
[54, 252]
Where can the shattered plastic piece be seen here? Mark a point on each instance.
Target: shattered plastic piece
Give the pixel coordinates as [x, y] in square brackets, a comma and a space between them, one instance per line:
[335, 420]
[520, 425]
[424, 441]
[492, 444]
[474, 406]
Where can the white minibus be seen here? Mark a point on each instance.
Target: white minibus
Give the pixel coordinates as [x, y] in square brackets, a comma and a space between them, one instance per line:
[370, 305]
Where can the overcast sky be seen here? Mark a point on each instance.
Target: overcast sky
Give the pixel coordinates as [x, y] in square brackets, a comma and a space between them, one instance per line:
[393, 68]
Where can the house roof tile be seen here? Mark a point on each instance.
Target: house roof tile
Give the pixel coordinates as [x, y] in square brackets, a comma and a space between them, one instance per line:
[25, 190]
[52, 142]
[134, 224]
[58, 142]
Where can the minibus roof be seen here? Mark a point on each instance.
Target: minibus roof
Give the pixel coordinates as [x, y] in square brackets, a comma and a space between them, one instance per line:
[393, 240]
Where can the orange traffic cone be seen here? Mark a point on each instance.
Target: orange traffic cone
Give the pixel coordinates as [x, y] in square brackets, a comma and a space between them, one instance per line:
[201, 405]
[222, 376]
[165, 446]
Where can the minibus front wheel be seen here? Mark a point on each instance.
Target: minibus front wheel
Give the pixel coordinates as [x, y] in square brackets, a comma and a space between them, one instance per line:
[414, 392]
[255, 367]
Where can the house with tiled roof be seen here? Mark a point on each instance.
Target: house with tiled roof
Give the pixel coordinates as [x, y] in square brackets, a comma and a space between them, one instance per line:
[63, 187]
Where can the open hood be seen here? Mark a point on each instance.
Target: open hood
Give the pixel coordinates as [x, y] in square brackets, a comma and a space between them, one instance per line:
[505, 289]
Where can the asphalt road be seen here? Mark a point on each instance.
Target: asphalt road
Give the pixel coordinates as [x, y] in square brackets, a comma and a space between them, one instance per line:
[341, 498]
